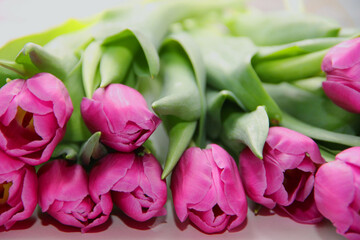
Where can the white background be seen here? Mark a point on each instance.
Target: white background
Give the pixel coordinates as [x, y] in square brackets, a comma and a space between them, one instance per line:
[21, 17]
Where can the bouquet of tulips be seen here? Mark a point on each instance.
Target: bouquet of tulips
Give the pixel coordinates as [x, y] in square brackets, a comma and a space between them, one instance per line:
[257, 107]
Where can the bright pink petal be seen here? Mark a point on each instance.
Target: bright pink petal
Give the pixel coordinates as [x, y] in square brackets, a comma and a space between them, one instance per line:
[342, 95]
[191, 180]
[234, 200]
[62, 181]
[303, 212]
[110, 170]
[333, 195]
[283, 139]
[343, 55]
[253, 175]
[48, 88]
[207, 222]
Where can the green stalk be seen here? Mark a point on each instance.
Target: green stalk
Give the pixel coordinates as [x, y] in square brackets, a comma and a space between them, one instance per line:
[318, 133]
[290, 69]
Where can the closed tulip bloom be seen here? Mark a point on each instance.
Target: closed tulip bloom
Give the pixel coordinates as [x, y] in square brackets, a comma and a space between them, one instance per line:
[337, 192]
[18, 190]
[206, 187]
[134, 182]
[121, 114]
[342, 67]
[33, 117]
[63, 193]
[284, 178]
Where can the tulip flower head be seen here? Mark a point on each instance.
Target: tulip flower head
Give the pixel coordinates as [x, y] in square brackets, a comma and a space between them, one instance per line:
[337, 192]
[342, 67]
[64, 194]
[18, 190]
[134, 182]
[284, 178]
[121, 114]
[33, 117]
[206, 187]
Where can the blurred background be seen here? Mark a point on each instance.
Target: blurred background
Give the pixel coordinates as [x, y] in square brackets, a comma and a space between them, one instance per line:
[22, 17]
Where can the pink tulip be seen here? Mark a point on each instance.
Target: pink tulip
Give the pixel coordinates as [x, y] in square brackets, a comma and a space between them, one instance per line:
[135, 183]
[206, 187]
[64, 194]
[342, 67]
[337, 192]
[33, 116]
[18, 189]
[122, 116]
[284, 178]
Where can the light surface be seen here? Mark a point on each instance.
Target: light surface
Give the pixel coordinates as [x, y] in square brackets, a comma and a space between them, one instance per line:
[22, 17]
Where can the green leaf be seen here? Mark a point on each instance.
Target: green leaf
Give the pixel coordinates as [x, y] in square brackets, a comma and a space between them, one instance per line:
[193, 53]
[180, 135]
[182, 104]
[215, 102]
[35, 55]
[92, 149]
[10, 50]
[90, 67]
[281, 27]
[227, 61]
[319, 133]
[11, 70]
[249, 128]
[314, 108]
[76, 131]
[295, 48]
[116, 60]
[148, 48]
[66, 150]
[149, 24]
[181, 96]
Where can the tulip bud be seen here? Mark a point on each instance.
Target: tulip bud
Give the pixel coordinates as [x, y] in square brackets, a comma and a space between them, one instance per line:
[206, 187]
[18, 190]
[64, 194]
[342, 67]
[337, 192]
[134, 182]
[284, 178]
[33, 117]
[121, 114]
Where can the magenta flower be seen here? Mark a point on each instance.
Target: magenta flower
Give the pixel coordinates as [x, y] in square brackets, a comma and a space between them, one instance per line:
[33, 116]
[342, 67]
[134, 182]
[63, 193]
[206, 187]
[285, 176]
[18, 190]
[337, 192]
[122, 116]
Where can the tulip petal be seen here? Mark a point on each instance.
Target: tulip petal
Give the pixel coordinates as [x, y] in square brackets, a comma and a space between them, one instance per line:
[234, 195]
[48, 88]
[342, 95]
[303, 212]
[333, 195]
[58, 179]
[8, 93]
[343, 55]
[186, 173]
[109, 171]
[28, 196]
[281, 138]
[207, 222]
[252, 172]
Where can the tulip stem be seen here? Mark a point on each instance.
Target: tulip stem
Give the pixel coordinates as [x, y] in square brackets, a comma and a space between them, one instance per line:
[319, 133]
